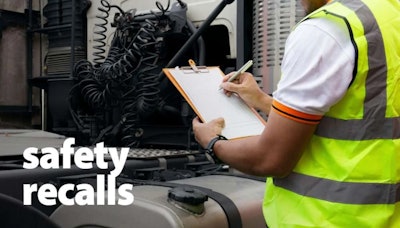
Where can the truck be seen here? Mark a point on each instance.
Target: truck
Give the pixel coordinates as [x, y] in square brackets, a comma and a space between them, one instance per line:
[94, 74]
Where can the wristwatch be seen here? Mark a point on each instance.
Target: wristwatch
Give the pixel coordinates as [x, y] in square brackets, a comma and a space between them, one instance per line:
[210, 147]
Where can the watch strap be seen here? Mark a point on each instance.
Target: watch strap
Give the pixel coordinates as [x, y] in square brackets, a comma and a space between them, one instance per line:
[210, 147]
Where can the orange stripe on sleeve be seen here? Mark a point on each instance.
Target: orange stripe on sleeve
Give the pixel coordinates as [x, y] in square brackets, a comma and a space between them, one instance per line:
[295, 115]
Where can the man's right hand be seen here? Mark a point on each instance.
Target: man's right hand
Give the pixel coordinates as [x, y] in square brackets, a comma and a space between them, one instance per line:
[247, 88]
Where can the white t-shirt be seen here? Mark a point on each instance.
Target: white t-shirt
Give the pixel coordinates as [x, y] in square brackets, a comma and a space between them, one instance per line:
[317, 67]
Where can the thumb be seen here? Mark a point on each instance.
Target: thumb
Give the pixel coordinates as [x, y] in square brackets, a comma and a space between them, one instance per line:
[220, 122]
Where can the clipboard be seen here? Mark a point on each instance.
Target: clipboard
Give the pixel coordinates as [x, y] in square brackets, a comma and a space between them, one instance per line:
[200, 88]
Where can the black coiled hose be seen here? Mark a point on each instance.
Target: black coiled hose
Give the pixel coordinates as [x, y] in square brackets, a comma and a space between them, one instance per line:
[126, 79]
[100, 30]
[148, 91]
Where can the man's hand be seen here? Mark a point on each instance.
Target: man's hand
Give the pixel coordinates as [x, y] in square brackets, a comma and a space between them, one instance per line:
[247, 88]
[204, 132]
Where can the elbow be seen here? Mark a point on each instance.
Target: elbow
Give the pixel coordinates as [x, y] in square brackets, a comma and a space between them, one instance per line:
[278, 172]
[273, 169]
[281, 173]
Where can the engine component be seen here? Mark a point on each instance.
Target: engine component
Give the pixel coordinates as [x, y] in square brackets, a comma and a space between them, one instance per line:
[124, 92]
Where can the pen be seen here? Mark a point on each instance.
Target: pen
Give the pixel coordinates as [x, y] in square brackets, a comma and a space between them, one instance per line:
[243, 69]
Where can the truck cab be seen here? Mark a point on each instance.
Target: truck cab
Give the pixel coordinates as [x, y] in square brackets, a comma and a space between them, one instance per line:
[94, 74]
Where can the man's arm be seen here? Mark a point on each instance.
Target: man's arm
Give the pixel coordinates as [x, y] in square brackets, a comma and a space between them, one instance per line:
[274, 153]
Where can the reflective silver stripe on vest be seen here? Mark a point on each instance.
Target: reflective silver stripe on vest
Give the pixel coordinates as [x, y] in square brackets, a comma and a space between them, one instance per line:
[377, 127]
[340, 192]
[388, 128]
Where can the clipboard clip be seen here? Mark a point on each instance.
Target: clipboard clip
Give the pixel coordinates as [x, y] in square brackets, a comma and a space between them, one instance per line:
[194, 68]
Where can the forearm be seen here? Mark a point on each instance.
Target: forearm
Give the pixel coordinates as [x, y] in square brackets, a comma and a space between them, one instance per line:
[274, 153]
[240, 154]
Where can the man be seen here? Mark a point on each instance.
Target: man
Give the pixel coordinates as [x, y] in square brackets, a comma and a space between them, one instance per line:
[332, 139]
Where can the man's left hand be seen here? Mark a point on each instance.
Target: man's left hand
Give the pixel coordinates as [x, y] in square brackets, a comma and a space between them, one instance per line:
[204, 132]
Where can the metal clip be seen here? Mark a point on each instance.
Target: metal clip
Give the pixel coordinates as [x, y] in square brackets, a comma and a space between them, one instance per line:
[192, 64]
[193, 68]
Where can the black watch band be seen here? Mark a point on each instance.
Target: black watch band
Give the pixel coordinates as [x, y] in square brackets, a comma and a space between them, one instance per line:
[210, 147]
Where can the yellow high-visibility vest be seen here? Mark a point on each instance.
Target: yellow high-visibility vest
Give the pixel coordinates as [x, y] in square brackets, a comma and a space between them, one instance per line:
[349, 174]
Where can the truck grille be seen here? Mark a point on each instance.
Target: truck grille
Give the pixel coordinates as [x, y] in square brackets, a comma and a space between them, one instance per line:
[272, 22]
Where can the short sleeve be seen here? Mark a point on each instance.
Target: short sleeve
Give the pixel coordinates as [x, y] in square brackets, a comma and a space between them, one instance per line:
[317, 67]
